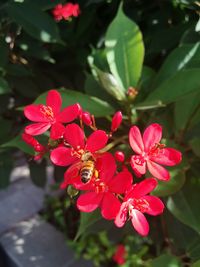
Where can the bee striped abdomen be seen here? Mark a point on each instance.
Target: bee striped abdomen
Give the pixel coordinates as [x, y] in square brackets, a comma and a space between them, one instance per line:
[87, 171]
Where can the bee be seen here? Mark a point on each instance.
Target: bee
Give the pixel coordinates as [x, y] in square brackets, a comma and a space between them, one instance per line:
[87, 171]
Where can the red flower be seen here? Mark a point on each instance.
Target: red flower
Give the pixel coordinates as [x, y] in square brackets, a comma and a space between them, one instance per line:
[120, 254]
[49, 116]
[102, 191]
[136, 202]
[150, 152]
[31, 141]
[65, 11]
[116, 121]
[79, 150]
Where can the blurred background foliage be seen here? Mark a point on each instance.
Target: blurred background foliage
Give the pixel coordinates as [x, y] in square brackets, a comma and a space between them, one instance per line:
[142, 57]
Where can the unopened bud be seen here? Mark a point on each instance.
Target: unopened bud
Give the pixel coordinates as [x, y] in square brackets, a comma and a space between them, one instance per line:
[116, 121]
[119, 156]
[132, 93]
[86, 118]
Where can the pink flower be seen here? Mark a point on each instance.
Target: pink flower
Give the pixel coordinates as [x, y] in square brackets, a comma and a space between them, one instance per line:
[116, 121]
[49, 116]
[78, 149]
[136, 202]
[120, 254]
[65, 11]
[150, 152]
[101, 192]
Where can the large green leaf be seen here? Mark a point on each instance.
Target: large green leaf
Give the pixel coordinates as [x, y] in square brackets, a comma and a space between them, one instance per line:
[179, 85]
[125, 50]
[180, 58]
[183, 115]
[175, 183]
[17, 142]
[184, 205]
[94, 105]
[166, 260]
[35, 22]
[196, 264]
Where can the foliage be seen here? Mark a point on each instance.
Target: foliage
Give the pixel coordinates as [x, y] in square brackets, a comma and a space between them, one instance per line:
[142, 57]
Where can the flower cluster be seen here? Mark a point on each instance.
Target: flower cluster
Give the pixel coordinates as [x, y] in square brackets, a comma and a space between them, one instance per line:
[66, 11]
[103, 181]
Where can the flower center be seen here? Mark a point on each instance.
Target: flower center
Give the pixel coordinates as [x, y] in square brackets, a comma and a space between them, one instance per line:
[138, 204]
[47, 112]
[156, 149]
[100, 187]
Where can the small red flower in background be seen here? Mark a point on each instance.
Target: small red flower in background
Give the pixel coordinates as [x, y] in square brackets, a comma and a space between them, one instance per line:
[65, 11]
[150, 152]
[120, 254]
[116, 121]
[49, 116]
[136, 202]
[102, 191]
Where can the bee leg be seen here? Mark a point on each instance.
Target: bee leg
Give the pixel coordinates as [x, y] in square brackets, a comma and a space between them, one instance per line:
[96, 174]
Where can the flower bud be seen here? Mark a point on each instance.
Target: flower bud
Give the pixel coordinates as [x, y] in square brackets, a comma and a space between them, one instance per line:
[29, 139]
[132, 93]
[119, 156]
[116, 121]
[86, 118]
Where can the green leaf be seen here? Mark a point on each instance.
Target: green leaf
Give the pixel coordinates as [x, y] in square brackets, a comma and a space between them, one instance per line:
[179, 85]
[125, 50]
[110, 84]
[170, 187]
[35, 22]
[182, 115]
[196, 264]
[17, 142]
[38, 173]
[4, 86]
[95, 106]
[6, 165]
[87, 220]
[181, 58]
[165, 260]
[184, 205]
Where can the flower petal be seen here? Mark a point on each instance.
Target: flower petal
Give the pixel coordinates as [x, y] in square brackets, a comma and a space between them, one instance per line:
[71, 176]
[74, 135]
[96, 141]
[138, 164]
[143, 188]
[158, 171]
[168, 157]
[57, 131]
[68, 114]
[37, 128]
[156, 206]
[110, 206]
[62, 156]
[106, 166]
[121, 182]
[139, 222]
[33, 113]
[135, 140]
[89, 201]
[122, 215]
[152, 135]
[54, 101]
